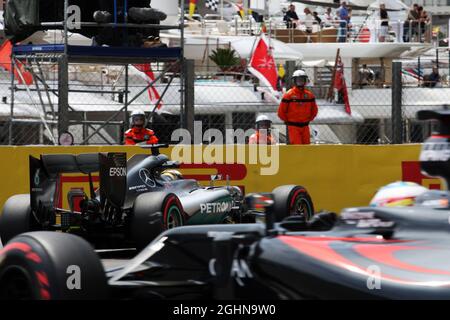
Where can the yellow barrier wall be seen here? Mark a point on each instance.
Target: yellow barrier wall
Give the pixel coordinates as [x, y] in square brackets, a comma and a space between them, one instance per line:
[336, 176]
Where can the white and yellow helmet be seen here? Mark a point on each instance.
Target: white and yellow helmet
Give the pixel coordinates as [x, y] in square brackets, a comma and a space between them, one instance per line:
[397, 194]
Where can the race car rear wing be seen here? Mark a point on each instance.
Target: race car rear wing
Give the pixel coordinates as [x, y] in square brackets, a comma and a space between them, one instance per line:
[45, 174]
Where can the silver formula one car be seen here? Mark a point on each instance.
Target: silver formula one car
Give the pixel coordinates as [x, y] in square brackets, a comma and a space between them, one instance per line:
[136, 200]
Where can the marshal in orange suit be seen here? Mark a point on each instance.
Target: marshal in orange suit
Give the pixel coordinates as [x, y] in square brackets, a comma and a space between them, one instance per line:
[297, 109]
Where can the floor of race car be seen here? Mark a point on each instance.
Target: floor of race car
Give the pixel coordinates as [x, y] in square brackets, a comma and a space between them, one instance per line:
[111, 259]
[114, 258]
[109, 264]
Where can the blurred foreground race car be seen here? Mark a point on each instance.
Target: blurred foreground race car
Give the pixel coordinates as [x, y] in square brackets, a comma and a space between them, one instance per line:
[375, 252]
[136, 200]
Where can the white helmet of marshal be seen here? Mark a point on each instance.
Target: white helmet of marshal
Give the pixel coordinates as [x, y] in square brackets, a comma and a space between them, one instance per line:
[300, 78]
[397, 194]
[136, 115]
[263, 121]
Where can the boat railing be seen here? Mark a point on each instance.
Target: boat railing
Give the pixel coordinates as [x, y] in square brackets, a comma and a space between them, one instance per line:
[342, 31]
[327, 31]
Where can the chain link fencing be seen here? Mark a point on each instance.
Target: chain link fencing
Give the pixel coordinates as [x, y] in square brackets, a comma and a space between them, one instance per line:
[426, 85]
[222, 100]
[235, 100]
[98, 102]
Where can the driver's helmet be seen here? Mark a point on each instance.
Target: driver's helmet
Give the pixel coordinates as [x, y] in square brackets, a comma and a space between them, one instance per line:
[263, 122]
[171, 175]
[397, 194]
[138, 115]
[300, 78]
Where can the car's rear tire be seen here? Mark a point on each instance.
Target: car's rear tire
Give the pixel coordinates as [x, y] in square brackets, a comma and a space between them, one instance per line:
[292, 200]
[153, 213]
[51, 265]
[16, 217]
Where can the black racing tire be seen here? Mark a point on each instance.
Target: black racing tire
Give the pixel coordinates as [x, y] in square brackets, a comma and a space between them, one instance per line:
[153, 213]
[16, 217]
[51, 266]
[292, 200]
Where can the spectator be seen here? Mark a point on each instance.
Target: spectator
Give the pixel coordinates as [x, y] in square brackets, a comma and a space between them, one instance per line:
[328, 18]
[432, 79]
[366, 76]
[410, 26]
[316, 18]
[291, 17]
[349, 23]
[419, 23]
[384, 27]
[343, 17]
[424, 19]
[309, 20]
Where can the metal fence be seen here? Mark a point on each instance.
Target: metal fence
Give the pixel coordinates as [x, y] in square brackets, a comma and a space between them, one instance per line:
[425, 85]
[98, 101]
[234, 101]
[222, 100]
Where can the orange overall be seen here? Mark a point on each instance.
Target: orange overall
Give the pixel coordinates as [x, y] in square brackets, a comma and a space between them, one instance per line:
[139, 135]
[297, 109]
[261, 138]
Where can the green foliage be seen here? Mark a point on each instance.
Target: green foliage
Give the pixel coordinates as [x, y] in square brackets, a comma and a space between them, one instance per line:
[225, 58]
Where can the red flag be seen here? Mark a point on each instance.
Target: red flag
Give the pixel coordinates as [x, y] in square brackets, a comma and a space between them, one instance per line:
[27, 76]
[153, 94]
[5, 55]
[262, 64]
[5, 62]
[341, 86]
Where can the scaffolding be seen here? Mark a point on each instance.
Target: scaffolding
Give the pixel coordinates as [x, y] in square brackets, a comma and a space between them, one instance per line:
[56, 118]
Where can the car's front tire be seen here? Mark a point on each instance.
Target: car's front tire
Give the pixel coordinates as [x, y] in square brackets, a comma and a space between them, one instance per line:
[292, 200]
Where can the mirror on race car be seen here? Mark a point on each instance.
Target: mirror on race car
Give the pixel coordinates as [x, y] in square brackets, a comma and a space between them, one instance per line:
[262, 202]
[214, 177]
[150, 146]
[154, 147]
[259, 201]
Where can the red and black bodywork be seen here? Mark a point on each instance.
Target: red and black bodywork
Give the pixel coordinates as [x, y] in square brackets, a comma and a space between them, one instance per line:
[367, 253]
[379, 253]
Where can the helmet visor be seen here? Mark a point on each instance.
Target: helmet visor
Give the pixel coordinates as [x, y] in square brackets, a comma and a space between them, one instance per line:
[300, 81]
[266, 124]
[138, 120]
